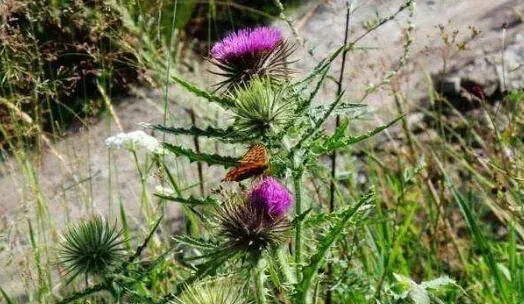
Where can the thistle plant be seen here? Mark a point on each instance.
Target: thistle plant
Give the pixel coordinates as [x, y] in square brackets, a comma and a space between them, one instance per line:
[91, 248]
[247, 232]
[222, 291]
[249, 53]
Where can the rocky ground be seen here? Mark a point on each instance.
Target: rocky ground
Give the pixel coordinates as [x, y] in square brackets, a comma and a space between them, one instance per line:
[79, 171]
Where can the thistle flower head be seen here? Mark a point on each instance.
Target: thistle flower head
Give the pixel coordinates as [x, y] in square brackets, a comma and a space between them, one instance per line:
[248, 229]
[216, 292]
[271, 196]
[251, 52]
[246, 42]
[262, 107]
[92, 247]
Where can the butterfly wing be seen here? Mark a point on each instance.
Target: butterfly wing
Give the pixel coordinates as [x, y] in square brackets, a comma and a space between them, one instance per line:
[253, 163]
[245, 171]
[257, 153]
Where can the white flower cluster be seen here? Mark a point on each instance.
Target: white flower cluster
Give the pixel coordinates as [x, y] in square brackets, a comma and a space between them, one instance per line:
[135, 140]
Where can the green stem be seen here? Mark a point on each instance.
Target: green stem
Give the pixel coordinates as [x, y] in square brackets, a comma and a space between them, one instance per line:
[260, 277]
[297, 177]
[86, 292]
[144, 198]
[284, 266]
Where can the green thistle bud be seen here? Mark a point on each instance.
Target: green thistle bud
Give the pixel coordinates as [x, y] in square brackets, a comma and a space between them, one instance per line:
[262, 107]
[92, 247]
[216, 292]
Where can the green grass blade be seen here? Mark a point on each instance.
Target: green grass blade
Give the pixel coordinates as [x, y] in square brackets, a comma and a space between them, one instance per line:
[6, 297]
[310, 271]
[479, 238]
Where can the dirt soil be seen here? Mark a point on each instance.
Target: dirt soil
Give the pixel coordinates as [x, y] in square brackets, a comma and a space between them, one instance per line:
[79, 171]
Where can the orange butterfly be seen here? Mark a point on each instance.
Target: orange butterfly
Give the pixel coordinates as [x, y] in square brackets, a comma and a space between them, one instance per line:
[254, 162]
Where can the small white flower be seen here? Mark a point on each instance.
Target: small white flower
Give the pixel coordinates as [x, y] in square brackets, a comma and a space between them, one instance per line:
[135, 140]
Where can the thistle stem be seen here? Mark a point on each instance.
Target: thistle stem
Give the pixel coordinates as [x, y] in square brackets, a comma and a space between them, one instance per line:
[297, 177]
[284, 266]
[260, 277]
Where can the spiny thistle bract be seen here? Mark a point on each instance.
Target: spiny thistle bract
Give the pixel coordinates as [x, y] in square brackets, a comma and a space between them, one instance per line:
[249, 53]
[262, 107]
[250, 230]
[92, 247]
[217, 292]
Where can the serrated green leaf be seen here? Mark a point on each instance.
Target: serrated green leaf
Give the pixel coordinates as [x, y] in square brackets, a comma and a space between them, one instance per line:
[314, 130]
[228, 135]
[195, 242]
[210, 159]
[348, 110]
[223, 101]
[336, 141]
[193, 201]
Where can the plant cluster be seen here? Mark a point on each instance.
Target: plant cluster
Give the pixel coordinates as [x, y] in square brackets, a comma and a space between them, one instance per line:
[57, 62]
[249, 231]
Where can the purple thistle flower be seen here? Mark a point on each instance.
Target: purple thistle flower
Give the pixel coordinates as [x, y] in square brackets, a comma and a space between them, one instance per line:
[251, 52]
[249, 229]
[246, 42]
[271, 196]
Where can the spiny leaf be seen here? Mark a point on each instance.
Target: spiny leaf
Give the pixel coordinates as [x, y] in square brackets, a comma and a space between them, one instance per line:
[223, 101]
[193, 201]
[337, 140]
[226, 135]
[314, 130]
[331, 237]
[195, 242]
[210, 159]
[348, 110]
[303, 103]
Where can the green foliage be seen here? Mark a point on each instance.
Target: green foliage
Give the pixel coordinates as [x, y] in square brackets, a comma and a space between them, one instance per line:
[303, 288]
[338, 140]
